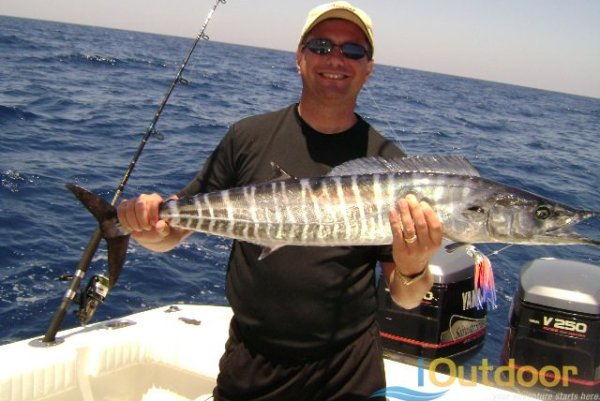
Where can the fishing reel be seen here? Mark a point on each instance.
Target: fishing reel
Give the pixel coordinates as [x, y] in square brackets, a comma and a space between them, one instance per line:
[94, 294]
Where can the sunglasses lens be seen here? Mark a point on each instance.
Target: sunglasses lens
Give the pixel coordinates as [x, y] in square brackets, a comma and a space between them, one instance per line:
[325, 46]
[353, 51]
[320, 46]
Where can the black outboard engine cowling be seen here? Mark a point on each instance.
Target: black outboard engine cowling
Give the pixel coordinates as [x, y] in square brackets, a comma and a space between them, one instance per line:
[447, 323]
[555, 326]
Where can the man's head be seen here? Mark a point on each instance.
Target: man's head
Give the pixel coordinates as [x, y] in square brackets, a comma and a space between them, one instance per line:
[334, 55]
[340, 10]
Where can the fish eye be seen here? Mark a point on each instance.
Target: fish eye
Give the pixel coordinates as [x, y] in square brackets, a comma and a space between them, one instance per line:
[543, 212]
[477, 209]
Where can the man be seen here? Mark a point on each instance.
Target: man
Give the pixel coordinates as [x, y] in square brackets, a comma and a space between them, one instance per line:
[304, 317]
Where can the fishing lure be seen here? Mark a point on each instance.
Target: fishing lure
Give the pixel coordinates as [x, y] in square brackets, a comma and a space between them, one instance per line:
[485, 287]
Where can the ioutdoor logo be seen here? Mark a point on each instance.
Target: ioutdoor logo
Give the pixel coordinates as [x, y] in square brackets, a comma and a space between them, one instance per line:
[507, 376]
[403, 393]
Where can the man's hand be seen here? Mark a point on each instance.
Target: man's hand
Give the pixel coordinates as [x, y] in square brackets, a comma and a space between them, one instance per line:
[417, 233]
[141, 216]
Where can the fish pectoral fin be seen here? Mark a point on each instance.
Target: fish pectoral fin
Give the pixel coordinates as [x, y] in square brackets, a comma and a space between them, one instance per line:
[454, 246]
[267, 250]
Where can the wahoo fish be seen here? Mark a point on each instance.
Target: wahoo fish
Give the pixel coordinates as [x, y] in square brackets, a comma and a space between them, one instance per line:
[350, 206]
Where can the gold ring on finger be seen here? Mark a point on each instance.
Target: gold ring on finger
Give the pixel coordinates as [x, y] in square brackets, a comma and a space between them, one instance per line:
[411, 239]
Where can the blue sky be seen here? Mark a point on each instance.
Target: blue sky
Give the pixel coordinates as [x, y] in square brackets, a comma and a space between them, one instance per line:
[547, 44]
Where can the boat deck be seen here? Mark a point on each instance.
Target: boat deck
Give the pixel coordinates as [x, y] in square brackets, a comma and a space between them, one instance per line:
[168, 353]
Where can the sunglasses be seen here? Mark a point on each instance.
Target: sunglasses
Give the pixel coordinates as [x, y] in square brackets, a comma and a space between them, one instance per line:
[352, 51]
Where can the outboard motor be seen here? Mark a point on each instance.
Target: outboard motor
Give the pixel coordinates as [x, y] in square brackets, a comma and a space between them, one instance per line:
[448, 322]
[553, 338]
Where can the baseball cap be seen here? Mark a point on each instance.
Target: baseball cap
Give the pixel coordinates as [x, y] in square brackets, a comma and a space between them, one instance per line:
[342, 10]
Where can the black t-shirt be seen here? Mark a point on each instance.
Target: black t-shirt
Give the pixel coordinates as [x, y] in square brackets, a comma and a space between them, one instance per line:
[298, 297]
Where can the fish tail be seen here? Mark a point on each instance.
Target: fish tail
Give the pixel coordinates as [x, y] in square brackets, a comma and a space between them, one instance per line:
[116, 239]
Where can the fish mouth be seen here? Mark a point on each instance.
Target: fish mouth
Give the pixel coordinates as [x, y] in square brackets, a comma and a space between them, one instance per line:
[566, 235]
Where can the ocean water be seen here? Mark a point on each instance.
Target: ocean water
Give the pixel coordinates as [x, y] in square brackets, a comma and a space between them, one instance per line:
[75, 102]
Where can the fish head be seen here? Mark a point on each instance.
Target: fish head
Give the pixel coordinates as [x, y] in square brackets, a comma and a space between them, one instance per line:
[526, 218]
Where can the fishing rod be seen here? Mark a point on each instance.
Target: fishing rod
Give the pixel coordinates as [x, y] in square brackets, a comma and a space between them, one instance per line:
[99, 285]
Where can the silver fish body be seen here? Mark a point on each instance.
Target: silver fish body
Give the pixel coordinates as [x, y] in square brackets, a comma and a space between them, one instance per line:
[350, 206]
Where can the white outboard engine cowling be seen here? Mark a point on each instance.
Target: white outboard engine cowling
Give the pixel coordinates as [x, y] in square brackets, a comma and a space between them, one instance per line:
[554, 328]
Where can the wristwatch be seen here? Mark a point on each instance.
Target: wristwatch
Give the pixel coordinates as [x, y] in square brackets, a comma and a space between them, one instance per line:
[408, 280]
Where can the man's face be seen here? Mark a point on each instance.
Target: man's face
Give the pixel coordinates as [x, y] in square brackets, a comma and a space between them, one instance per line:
[333, 77]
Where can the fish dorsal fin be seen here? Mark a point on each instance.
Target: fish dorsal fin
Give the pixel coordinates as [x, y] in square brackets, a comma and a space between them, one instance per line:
[455, 165]
[278, 173]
